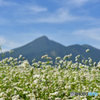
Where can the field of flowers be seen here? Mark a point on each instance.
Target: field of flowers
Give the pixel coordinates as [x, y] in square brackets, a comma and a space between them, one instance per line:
[44, 81]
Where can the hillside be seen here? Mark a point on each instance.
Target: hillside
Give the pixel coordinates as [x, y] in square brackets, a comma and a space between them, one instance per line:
[43, 45]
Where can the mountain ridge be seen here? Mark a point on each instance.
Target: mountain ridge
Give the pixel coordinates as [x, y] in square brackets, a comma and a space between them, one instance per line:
[43, 45]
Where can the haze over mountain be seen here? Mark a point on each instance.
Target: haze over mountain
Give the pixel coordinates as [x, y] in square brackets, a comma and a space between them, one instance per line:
[43, 45]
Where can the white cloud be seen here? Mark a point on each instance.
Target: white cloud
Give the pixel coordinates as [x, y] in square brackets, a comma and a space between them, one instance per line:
[7, 44]
[11, 44]
[2, 40]
[5, 50]
[30, 9]
[37, 8]
[90, 33]
[3, 2]
[72, 3]
[59, 16]
[75, 3]
[32, 13]
[78, 2]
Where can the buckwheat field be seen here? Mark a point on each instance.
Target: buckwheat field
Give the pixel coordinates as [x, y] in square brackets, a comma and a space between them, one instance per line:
[47, 81]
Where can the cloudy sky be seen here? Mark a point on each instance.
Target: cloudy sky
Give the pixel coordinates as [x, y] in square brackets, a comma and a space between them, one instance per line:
[65, 21]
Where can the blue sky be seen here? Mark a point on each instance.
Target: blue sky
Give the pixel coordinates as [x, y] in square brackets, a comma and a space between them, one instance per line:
[65, 21]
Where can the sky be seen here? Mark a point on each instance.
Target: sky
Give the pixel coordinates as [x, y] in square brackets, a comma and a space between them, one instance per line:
[67, 22]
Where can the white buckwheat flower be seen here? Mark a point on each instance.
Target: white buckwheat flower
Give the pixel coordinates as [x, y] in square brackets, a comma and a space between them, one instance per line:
[55, 94]
[87, 50]
[20, 56]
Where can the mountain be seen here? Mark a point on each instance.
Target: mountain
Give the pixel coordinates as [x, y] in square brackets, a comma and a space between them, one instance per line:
[42, 45]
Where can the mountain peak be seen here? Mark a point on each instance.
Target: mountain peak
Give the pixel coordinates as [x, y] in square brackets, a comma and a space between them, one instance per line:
[43, 37]
[43, 40]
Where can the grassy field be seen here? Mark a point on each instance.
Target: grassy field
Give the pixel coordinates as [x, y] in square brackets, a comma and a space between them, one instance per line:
[42, 81]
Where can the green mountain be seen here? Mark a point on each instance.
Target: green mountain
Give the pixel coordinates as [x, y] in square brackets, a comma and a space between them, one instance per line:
[42, 45]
